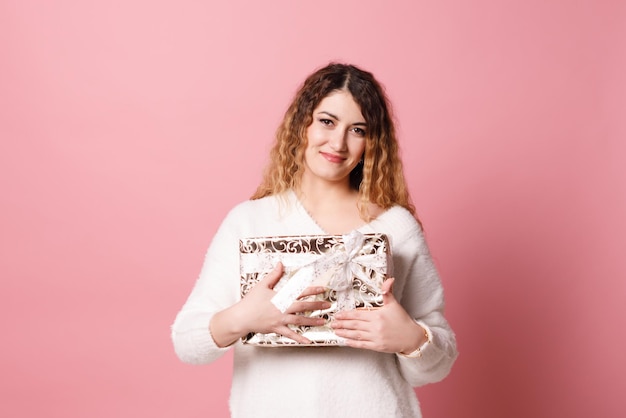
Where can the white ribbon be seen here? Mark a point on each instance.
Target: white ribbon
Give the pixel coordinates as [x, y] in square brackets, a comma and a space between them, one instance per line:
[342, 265]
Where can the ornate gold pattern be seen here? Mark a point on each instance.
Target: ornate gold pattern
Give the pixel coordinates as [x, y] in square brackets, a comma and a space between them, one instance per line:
[368, 268]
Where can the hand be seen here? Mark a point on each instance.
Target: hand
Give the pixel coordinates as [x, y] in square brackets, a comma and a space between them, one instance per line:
[256, 313]
[389, 329]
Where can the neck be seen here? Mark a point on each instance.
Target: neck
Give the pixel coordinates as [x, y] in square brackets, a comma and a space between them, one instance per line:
[317, 193]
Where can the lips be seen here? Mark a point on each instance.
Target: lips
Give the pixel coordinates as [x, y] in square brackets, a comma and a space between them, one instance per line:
[332, 157]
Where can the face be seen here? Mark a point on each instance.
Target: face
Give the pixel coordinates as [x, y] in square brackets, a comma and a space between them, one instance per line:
[336, 139]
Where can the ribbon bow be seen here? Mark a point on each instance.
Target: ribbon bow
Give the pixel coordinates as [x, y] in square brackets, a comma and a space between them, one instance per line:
[342, 265]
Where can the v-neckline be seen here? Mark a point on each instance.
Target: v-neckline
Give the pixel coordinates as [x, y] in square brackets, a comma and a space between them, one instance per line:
[361, 228]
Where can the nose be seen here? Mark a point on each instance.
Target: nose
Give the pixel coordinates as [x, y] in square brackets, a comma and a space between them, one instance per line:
[338, 140]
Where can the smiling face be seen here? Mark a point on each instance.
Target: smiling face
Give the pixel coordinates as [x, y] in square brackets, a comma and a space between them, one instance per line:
[335, 139]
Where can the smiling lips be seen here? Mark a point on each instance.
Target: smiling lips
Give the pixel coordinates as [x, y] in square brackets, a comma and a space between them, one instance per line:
[332, 157]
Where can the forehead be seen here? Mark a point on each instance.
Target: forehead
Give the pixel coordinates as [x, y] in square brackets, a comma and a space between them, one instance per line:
[340, 103]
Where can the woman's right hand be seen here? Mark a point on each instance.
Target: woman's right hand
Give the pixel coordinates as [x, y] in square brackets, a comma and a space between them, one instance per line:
[256, 313]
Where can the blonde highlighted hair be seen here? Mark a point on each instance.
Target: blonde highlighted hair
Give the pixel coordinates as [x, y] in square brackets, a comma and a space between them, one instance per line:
[380, 179]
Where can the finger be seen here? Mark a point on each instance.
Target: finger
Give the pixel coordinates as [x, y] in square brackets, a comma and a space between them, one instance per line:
[358, 344]
[308, 306]
[367, 345]
[354, 336]
[312, 290]
[357, 339]
[289, 333]
[301, 320]
[359, 314]
[349, 325]
[387, 291]
[273, 276]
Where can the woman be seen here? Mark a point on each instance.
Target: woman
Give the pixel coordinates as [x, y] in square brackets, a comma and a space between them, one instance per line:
[334, 168]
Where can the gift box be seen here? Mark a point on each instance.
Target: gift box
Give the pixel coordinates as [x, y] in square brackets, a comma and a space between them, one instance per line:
[351, 268]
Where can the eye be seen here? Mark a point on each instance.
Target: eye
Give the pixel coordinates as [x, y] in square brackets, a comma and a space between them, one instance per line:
[359, 131]
[326, 122]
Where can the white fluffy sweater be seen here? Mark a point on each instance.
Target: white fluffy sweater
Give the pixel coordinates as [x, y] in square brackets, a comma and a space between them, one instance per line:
[318, 382]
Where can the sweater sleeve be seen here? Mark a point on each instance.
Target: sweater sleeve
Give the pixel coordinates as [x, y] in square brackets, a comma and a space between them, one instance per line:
[423, 298]
[216, 289]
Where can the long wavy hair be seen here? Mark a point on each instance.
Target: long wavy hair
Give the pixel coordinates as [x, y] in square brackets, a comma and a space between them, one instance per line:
[380, 178]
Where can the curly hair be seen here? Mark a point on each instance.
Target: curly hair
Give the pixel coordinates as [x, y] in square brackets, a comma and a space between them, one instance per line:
[380, 179]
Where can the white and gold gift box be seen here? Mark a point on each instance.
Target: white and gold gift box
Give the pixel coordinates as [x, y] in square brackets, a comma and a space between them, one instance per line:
[352, 269]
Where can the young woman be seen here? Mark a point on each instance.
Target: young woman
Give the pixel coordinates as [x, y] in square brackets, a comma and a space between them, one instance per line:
[334, 168]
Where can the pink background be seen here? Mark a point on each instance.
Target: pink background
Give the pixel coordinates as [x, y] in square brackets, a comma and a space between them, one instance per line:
[129, 128]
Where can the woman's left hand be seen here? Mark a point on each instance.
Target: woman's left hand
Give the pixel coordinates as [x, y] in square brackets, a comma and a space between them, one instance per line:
[388, 329]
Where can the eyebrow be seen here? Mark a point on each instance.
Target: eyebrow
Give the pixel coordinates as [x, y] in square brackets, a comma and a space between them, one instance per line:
[335, 117]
